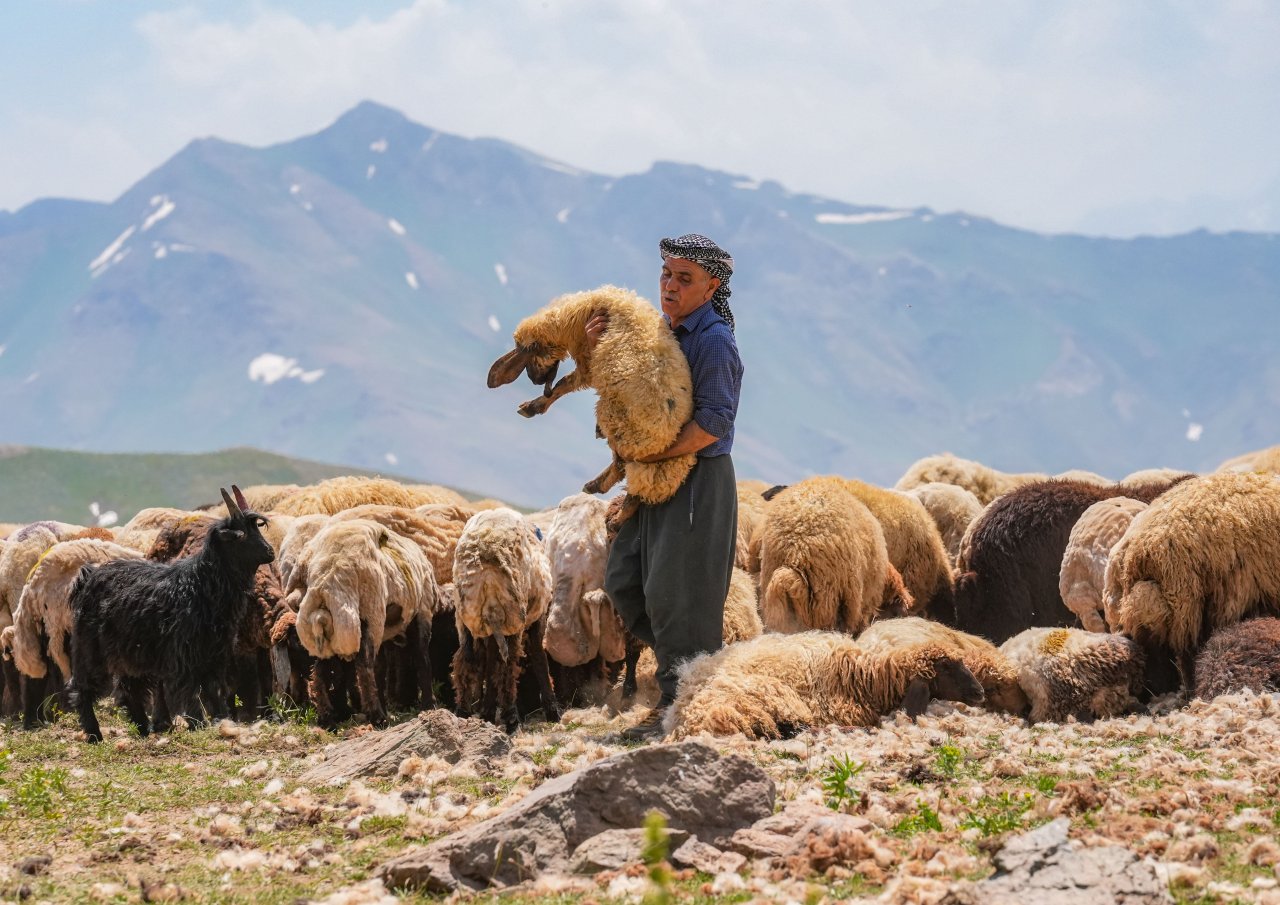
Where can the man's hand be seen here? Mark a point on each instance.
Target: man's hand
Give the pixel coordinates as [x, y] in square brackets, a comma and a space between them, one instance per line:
[596, 326]
[690, 439]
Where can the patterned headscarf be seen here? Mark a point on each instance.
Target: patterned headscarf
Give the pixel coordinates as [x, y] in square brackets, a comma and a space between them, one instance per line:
[711, 258]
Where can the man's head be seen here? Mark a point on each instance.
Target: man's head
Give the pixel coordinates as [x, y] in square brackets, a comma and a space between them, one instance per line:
[695, 270]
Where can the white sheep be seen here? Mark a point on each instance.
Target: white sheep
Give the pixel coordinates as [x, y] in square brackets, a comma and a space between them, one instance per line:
[953, 509]
[1071, 672]
[1084, 564]
[503, 578]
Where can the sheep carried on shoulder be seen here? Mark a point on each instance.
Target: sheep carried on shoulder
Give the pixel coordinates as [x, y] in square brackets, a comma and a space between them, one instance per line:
[637, 369]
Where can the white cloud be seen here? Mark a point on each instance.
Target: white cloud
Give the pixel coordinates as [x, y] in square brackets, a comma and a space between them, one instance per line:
[1038, 116]
[270, 367]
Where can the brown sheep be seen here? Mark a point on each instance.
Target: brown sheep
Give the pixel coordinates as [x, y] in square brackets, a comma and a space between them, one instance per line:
[1071, 672]
[1240, 656]
[1203, 556]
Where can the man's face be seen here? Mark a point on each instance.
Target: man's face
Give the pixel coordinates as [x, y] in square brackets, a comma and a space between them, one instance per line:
[684, 286]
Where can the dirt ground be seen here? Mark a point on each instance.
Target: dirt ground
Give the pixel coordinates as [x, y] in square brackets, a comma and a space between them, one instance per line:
[218, 815]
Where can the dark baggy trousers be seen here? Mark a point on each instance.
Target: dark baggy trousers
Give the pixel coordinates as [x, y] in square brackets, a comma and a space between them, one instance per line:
[669, 568]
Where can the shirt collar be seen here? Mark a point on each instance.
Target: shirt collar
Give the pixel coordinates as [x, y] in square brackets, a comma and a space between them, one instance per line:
[702, 317]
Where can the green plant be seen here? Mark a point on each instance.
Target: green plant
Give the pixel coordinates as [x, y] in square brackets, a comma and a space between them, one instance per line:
[37, 789]
[997, 814]
[836, 778]
[948, 760]
[925, 818]
[655, 858]
[1045, 784]
[285, 710]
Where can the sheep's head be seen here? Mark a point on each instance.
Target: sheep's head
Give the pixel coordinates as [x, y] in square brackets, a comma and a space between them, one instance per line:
[239, 535]
[540, 361]
[951, 681]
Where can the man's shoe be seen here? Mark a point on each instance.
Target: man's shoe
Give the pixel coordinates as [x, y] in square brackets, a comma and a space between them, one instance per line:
[649, 729]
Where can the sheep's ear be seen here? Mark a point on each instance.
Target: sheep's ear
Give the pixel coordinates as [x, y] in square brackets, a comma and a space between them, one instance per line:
[916, 700]
[508, 367]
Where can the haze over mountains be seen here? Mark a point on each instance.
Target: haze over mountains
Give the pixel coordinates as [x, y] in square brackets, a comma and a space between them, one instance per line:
[341, 297]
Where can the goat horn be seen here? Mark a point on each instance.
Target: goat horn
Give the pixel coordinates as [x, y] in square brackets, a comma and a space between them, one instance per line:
[240, 500]
[232, 508]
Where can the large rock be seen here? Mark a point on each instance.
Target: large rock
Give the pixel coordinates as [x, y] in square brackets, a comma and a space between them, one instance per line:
[1045, 868]
[433, 732]
[614, 849]
[698, 791]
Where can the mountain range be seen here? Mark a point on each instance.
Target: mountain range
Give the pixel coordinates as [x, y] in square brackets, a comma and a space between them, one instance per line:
[340, 297]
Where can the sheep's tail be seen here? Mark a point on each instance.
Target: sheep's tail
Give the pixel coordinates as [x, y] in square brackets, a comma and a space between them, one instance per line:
[787, 600]
[501, 640]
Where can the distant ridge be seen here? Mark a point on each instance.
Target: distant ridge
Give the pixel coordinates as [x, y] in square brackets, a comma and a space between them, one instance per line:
[61, 484]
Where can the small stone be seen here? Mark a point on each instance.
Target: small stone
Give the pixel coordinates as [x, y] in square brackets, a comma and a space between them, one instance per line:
[34, 866]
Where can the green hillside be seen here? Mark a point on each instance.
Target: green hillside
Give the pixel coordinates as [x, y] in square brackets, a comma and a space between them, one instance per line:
[59, 484]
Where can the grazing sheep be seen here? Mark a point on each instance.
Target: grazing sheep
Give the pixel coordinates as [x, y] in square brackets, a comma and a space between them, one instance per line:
[503, 579]
[1084, 564]
[752, 507]
[823, 561]
[953, 509]
[776, 685]
[1162, 478]
[144, 623]
[1261, 460]
[1007, 571]
[577, 548]
[1204, 555]
[1071, 672]
[364, 584]
[42, 623]
[18, 557]
[260, 497]
[140, 532]
[8, 528]
[336, 494]
[997, 675]
[983, 482]
[1084, 477]
[437, 538]
[1240, 656]
[642, 379]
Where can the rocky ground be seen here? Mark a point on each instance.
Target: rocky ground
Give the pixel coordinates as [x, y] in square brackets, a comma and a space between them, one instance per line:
[1177, 805]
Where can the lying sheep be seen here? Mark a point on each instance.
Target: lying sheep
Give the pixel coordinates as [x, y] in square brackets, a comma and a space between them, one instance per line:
[1240, 656]
[1007, 571]
[824, 563]
[640, 375]
[953, 509]
[43, 622]
[776, 685]
[1204, 555]
[503, 580]
[998, 677]
[983, 482]
[1071, 672]
[365, 585]
[1084, 563]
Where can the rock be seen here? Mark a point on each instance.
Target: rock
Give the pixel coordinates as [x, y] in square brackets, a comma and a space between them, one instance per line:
[1044, 867]
[698, 791]
[614, 849]
[707, 858]
[756, 843]
[433, 732]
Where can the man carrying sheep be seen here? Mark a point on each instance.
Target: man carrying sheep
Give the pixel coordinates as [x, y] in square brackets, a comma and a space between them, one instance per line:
[669, 568]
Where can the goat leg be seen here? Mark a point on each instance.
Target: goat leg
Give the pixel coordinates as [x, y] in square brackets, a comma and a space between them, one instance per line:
[538, 663]
[134, 689]
[161, 718]
[366, 681]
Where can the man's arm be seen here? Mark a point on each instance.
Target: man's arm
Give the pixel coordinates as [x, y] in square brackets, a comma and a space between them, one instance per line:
[690, 439]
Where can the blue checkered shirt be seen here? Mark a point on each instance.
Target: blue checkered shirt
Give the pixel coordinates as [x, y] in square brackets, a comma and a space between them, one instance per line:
[708, 344]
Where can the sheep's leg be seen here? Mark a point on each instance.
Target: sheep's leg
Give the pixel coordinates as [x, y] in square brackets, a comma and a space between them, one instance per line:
[563, 387]
[490, 664]
[11, 701]
[32, 698]
[135, 691]
[604, 482]
[630, 506]
[466, 672]
[422, 662]
[366, 681]
[634, 648]
[538, 663]
[505, 678]
[318, 688]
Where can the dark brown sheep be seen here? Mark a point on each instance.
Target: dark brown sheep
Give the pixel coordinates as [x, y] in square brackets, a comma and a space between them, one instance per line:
[1007, 570]
[1244, 655]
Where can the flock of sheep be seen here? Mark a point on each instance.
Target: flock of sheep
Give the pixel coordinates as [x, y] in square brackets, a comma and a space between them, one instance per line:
[1045, 597]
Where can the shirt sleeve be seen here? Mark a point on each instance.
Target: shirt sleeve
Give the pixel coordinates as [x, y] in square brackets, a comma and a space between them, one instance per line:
[717, 382]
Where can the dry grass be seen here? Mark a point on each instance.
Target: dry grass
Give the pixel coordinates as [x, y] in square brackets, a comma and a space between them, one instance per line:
[216, 815]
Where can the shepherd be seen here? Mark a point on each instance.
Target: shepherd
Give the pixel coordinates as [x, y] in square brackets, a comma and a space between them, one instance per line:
[669, 567]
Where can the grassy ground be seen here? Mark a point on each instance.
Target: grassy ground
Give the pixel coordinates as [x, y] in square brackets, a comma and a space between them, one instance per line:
[217, 815]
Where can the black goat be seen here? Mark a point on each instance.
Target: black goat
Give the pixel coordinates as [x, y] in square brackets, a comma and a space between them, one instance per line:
[165, 627]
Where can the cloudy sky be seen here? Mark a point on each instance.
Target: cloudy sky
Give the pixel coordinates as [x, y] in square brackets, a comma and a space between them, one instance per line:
[1113, 117]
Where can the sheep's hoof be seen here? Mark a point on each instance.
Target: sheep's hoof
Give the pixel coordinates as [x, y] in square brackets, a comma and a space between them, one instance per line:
[534, 406]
